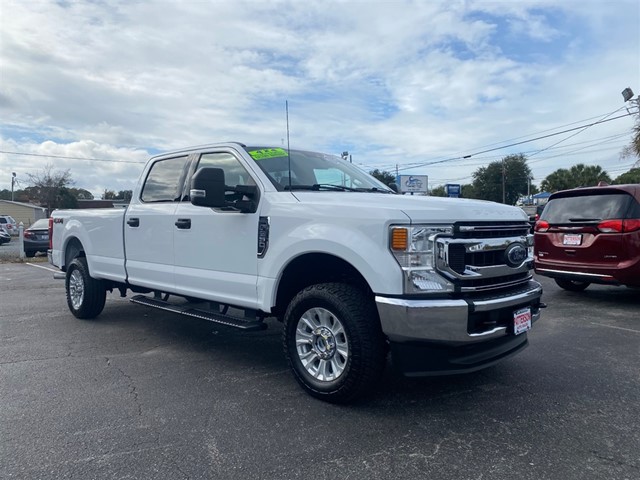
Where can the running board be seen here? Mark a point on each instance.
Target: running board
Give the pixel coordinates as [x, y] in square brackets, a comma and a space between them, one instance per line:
[228, 320]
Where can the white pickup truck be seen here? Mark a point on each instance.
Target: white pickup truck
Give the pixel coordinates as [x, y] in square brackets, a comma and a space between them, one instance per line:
[235, 234]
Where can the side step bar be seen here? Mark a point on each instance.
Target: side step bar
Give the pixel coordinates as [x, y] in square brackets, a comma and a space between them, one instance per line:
[228, 320]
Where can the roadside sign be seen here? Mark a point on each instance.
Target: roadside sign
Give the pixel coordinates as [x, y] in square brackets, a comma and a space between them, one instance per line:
[453, 190]
[413, 183]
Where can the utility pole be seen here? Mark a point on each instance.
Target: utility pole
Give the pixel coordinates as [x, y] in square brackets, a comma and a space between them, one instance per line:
[13, 181]
[504, 193]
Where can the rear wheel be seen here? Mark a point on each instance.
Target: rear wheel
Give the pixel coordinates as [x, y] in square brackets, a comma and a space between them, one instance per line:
[30, 254]
[572, 285]
[86, 296]
[333, 342]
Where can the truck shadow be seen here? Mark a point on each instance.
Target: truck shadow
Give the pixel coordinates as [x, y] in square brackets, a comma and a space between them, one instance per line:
[236, 357]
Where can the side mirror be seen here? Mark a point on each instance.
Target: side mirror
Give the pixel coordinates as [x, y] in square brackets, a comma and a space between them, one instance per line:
[208, 188]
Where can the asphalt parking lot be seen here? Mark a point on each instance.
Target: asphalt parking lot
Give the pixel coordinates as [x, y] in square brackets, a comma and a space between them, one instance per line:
[145, 394]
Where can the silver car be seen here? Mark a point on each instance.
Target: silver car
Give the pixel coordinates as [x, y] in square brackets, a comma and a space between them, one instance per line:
[4, 235]
[9, 224]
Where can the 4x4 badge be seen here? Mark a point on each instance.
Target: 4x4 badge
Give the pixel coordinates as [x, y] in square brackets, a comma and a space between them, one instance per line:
[515, 254]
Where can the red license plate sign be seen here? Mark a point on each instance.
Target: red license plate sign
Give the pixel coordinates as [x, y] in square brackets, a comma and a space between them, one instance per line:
[521, 320]
[572, 239]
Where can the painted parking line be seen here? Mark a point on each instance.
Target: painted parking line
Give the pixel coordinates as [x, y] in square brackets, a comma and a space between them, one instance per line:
[53, 270]
[617, 328]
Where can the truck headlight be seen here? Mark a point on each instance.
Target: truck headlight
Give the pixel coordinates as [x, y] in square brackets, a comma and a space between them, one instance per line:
[415, 249]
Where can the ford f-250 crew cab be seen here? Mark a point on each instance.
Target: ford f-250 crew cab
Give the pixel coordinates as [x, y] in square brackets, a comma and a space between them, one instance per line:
[234, 234]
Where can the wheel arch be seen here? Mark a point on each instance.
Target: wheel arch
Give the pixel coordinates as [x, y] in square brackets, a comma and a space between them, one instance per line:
[72, 249]
[314, 268]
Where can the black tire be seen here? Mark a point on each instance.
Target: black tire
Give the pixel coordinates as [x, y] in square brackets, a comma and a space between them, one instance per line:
[85, 295]
[341, 336]
[571, 285]
[30, 254]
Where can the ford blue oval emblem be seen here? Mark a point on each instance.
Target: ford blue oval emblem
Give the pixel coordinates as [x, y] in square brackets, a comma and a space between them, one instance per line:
[515, 255]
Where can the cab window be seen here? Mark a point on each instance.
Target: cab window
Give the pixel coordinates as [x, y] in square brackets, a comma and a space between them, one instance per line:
[164, 181]
[234, 172]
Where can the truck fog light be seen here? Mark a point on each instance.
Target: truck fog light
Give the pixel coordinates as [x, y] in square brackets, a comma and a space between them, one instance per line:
[424, 280]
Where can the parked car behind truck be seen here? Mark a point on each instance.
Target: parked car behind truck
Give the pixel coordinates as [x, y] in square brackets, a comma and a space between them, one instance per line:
[9, 224]
[590, 235]
[235, 234]
[36, 238]
[5, 237]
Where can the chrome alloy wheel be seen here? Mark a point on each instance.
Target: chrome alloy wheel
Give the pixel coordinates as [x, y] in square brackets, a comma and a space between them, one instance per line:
[76, 289]
[321, 343]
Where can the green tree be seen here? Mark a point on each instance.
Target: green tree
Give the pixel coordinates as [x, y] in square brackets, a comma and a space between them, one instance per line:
[506, 180]
[632, 176]
[556, 181]
[385, 177]
[579, 175]
[81, 193]
[18, 195]
[467, 191]
[66, 199]
[124, 195]
[108, 195]
[438, 191]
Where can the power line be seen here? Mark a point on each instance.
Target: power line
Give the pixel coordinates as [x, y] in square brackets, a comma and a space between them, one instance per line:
[576, 133]
[550, 129]
[69, 158]
[588, 144]
[517, 143]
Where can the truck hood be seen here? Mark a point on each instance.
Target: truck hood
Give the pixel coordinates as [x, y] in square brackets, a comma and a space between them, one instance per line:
[418, 208]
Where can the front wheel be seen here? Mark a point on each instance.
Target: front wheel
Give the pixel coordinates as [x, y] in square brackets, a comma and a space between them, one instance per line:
[572, 285]
[85, 295]
[333, 342]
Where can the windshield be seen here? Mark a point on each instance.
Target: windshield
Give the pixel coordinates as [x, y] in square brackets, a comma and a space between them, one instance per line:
[313, 171]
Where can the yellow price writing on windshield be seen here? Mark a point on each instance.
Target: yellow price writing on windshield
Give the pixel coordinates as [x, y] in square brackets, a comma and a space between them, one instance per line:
[268, 153]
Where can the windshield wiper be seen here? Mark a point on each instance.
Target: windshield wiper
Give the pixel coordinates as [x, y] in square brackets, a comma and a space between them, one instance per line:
[373, 190]
[321, 186]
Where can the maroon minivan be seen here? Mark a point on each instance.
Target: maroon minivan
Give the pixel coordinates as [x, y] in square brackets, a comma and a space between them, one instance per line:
[590, 235]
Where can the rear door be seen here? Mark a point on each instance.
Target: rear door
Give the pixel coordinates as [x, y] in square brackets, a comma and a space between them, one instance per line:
[149, 225]
[215, 250]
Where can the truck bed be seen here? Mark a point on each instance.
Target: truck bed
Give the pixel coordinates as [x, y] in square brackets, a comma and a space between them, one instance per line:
[99, 230]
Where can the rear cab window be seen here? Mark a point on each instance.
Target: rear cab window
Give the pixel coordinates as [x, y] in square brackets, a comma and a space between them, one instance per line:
[164, 180]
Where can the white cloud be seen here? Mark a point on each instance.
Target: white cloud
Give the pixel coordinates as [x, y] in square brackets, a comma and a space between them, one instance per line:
[400, 82]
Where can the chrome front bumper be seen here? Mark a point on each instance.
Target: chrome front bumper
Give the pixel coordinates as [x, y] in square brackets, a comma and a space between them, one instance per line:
[447, 320]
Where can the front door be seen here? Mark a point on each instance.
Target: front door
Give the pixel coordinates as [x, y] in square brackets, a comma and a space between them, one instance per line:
[215, 250]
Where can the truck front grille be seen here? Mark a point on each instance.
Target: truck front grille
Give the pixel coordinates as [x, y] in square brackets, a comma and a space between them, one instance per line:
[486, 256]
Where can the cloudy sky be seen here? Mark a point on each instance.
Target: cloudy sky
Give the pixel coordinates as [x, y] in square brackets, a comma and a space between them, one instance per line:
[98, 86]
